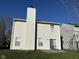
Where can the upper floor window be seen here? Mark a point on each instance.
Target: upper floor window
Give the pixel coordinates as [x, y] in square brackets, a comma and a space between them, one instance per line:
[52, 28]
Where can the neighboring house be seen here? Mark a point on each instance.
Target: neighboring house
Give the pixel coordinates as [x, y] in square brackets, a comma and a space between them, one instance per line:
[70, 36]
[76, 37]
[67, 32]
[30, 34]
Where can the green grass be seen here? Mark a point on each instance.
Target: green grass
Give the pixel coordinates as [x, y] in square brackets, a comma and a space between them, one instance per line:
[8, 54]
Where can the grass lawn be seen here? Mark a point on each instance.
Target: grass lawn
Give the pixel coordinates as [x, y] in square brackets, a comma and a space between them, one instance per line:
[8, 54]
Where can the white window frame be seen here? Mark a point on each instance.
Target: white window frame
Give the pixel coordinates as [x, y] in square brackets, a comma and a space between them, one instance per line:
[52, 28]
[17, 41]
[40, 42]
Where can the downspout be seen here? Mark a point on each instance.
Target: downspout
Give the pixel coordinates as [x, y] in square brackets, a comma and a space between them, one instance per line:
[35, 36]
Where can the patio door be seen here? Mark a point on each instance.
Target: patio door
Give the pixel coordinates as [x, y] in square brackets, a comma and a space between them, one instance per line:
[52, 43]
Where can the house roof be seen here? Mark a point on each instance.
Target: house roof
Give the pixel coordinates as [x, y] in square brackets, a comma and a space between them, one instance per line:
[18, 19]
[76, 25]
[47, 22]
[43, 22]
[38, 21]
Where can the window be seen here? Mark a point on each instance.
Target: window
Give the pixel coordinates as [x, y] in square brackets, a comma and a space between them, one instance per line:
[40, 43]
[17, 41]
[39, 39]
[52, 28]
[77, 35]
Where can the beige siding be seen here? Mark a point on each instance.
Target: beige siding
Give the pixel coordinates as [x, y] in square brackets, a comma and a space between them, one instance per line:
[57, 36]
[43, 32]
[76, 30]
[19, 30]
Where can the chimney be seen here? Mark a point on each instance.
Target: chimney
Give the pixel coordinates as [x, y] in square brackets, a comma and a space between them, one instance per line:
[31, 28]
[31, 13]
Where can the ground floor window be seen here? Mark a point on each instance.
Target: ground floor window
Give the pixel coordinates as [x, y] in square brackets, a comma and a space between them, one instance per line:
[40, 42]
[17, 41]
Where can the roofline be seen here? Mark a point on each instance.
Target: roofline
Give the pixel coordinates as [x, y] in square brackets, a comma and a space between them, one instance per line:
[44, 22]
[19, 19]
[76, 25]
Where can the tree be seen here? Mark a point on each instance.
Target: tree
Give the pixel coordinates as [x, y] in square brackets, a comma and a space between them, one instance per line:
[2, 32]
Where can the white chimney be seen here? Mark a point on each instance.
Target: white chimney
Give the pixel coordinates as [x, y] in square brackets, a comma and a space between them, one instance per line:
[31, 13]
[31, 22]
